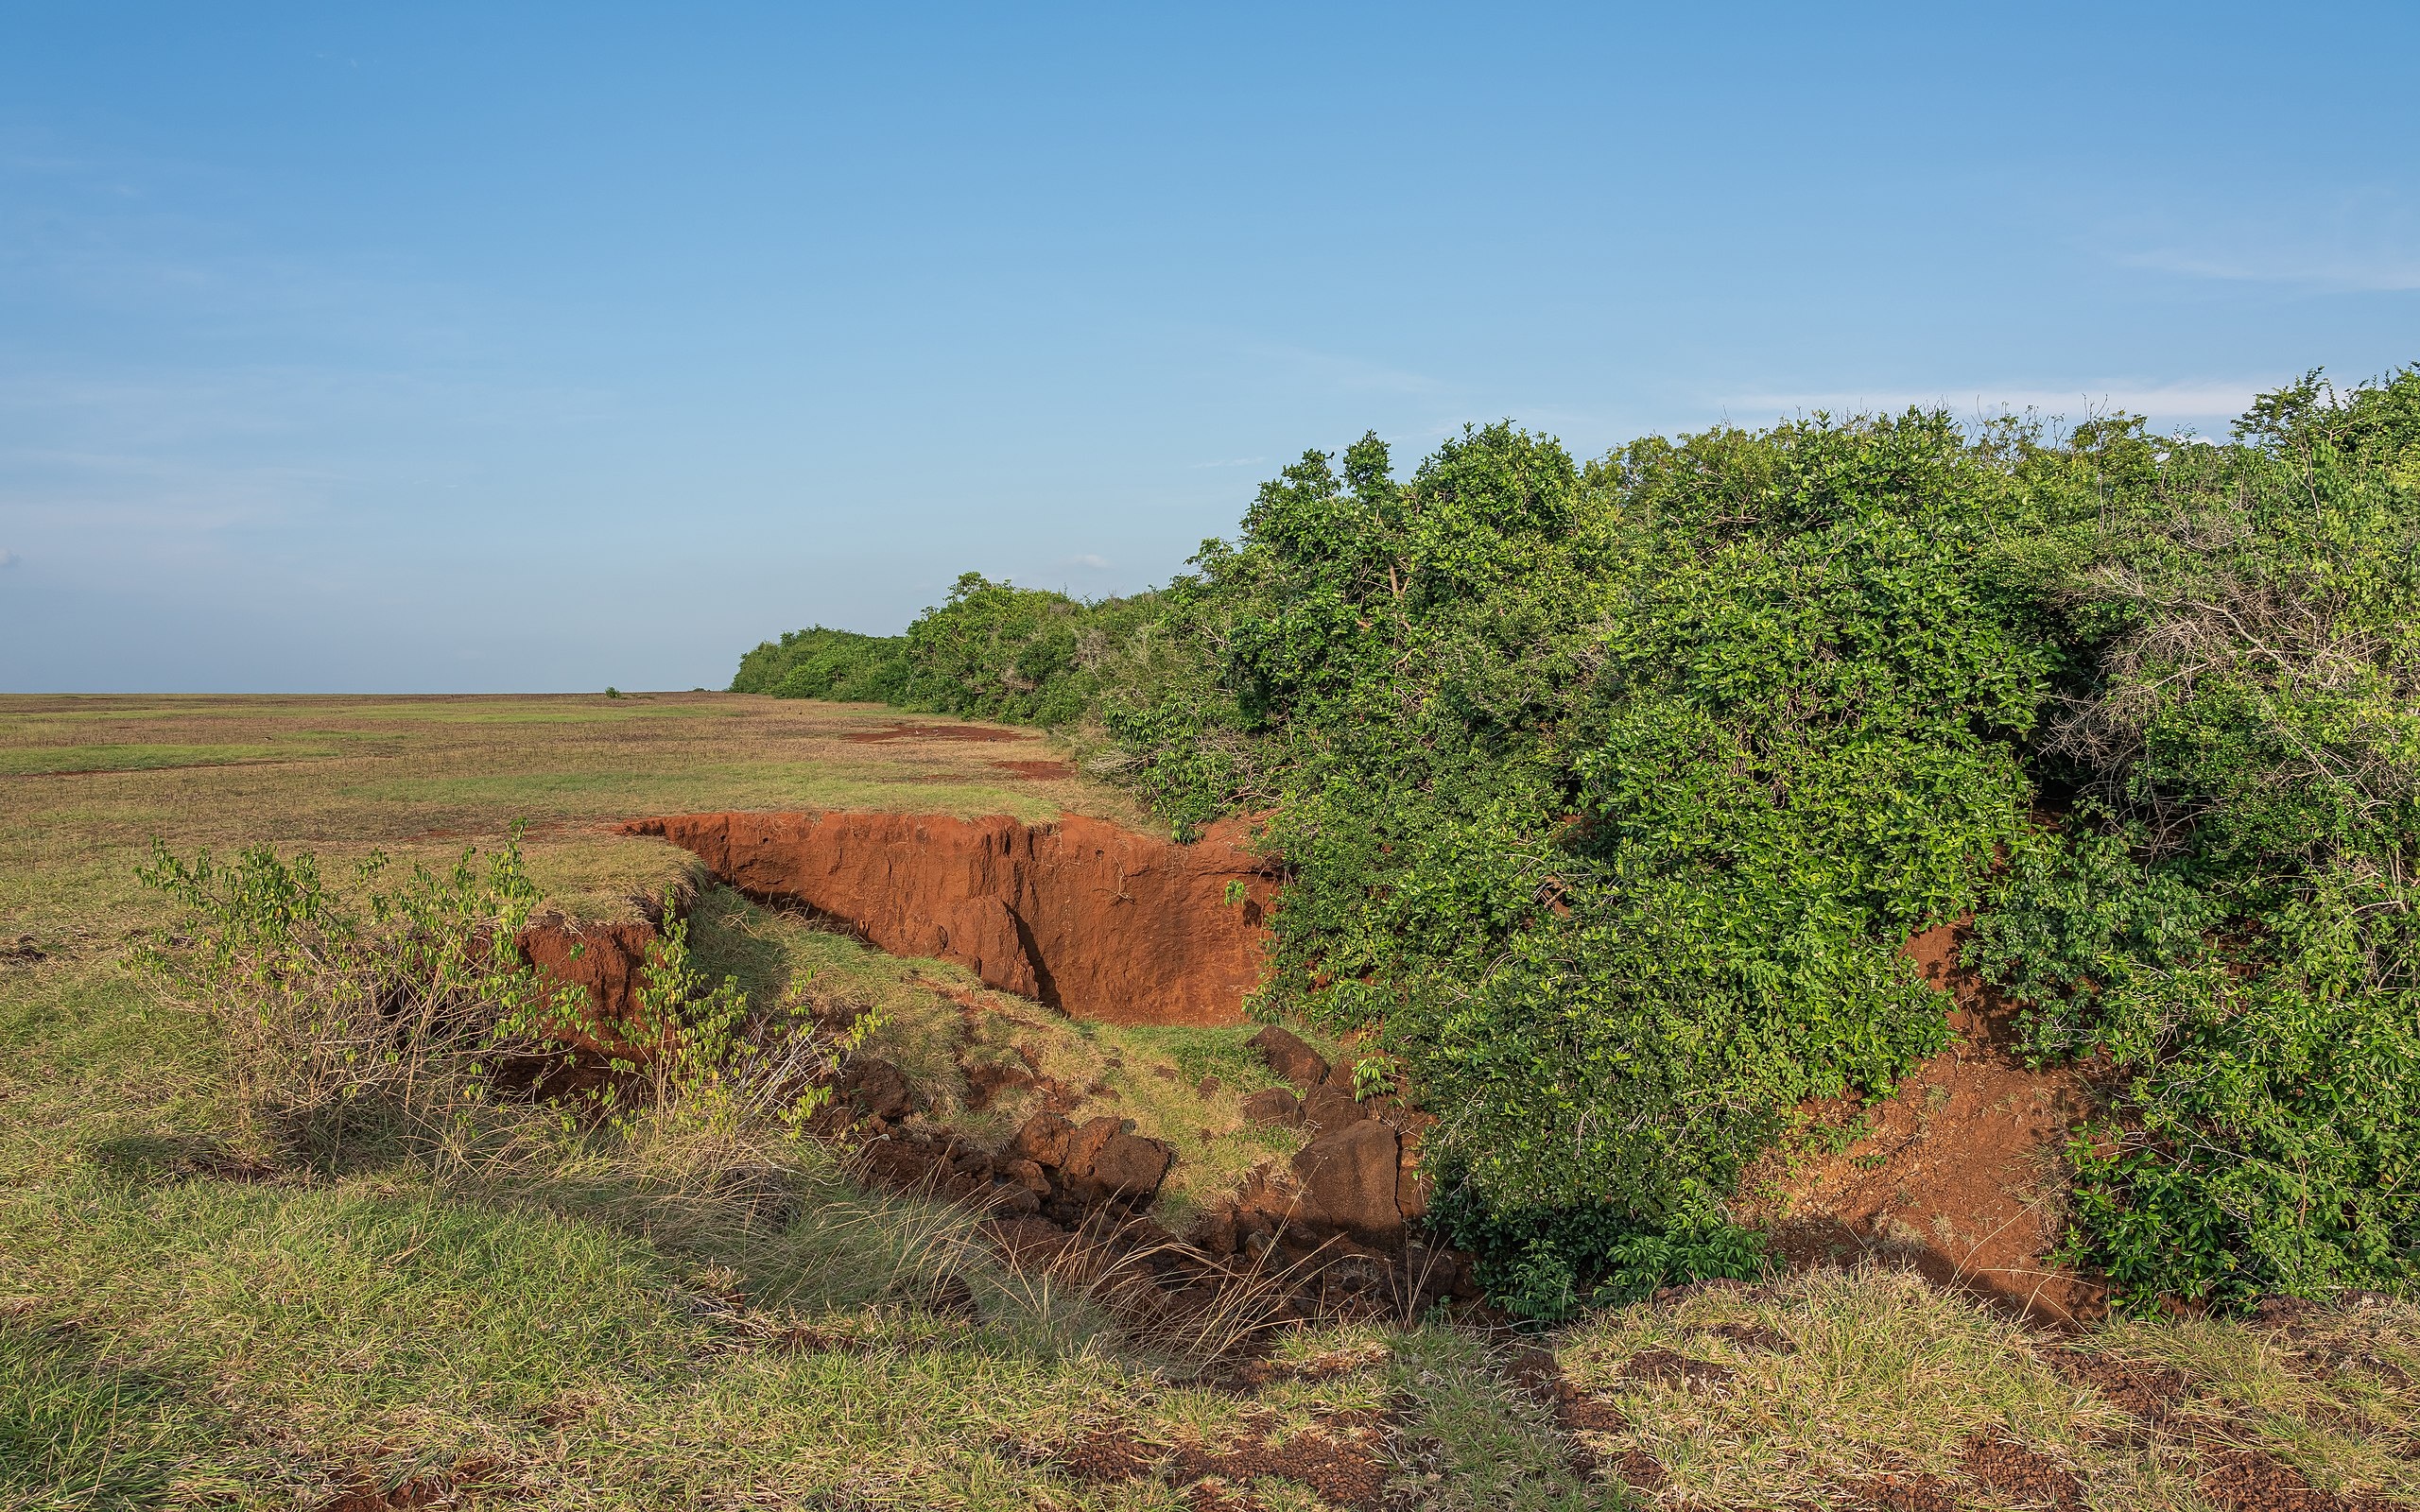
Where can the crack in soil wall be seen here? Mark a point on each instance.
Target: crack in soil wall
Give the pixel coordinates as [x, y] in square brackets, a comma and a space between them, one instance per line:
[1101, 922]
[1094, 919]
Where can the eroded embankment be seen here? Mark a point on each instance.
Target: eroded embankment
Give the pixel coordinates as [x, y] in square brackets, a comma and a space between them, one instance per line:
[1956, 1172]
[608, 961]
[1094, 919]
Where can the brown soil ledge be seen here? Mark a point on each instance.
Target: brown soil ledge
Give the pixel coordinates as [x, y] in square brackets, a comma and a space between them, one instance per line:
[1094, 919]
[1960, 1171]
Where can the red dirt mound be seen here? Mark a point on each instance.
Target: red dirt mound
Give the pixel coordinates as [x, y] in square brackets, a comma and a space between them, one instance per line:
[1958, 1171]
[607, 960]
[1097, 920]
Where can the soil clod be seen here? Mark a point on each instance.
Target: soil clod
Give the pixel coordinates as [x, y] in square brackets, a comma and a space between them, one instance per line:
[1672, 1368]
[2021, 1473]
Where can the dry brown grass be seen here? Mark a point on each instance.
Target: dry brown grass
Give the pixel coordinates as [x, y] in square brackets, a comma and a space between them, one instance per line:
[1805, 1391]
[604, 1325]
[422, 777]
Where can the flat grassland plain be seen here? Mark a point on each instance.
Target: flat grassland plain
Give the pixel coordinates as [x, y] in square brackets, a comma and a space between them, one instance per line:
[190, 1321]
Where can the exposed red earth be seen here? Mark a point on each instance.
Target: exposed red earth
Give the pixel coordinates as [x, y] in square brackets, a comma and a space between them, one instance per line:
[1957, 1174]
[1960, 1172]
[1089, 918]
[607, 962]
[907, 731]
[1038, 771]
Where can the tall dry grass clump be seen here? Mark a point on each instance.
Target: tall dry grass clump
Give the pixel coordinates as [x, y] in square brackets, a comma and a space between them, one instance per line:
[335, 1012]
[401, 1015]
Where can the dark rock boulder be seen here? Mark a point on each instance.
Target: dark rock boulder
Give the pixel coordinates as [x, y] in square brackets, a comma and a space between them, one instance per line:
[1028, 1241]
[1290, 1057]
[906, 1166]
[1085, 1145]
[1045, 1139]
[875, 1089]
[1214, 1231]
[1104, 1156]
[1272, 1105]
[1132, 1166]
[1348, 1181]
[1329, 1108]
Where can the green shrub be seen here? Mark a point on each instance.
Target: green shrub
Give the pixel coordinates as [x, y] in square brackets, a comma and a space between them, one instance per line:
[1550, 1263]
[2228, 916]
[393, 1005]
[1607, 796]
[1608, 793]
[992, 651]
[840, 666]
[397, 1008]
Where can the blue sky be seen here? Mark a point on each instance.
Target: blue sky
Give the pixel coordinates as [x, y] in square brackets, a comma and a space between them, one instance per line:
[465, 348]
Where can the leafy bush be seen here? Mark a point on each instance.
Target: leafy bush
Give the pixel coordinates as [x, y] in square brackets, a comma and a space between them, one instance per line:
[840, 666]
[1608, 793]
[992, 651]
[398, 1005]
[2228, 916]
[1551, 1263]
[399, 1012]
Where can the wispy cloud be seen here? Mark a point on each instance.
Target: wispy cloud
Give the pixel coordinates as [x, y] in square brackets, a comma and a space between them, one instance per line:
[1089, 560]
[2190, 399]
[9, 558]
[2346, 241]
[2343, 270]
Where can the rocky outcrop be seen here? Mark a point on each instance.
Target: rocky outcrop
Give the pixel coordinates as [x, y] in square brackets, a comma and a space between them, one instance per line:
[1329, 1108]
[1348, 1178]
[1062, 1172]
[1097, 921]
[1332, 1224]
[872, 1089]
[1344, 1207]
[1272, 1106]
[1290, 1057]
[1106, 1159]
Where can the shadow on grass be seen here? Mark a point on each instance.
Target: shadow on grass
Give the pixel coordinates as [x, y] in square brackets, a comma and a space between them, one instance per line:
[148, 1159]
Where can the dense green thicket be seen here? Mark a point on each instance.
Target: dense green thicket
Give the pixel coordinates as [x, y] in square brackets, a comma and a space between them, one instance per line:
[2229, 914]
[1609, 792]
[993, 651]
[816, 662]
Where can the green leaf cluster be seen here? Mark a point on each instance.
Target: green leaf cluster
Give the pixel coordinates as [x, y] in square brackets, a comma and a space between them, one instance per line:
[1608, 793]
[992, 651]
[2226, 917]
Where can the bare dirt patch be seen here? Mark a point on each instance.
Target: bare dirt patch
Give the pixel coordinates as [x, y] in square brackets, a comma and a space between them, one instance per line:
[2148, 1392]
[1039, 771]
[468, 1480]
[905, 731]
[1339, 1458]
[2246, 1479]
[2022, 1474]
[1958, 1173]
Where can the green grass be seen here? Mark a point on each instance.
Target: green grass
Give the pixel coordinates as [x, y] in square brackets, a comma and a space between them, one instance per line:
[573, 1323]
[24, 761]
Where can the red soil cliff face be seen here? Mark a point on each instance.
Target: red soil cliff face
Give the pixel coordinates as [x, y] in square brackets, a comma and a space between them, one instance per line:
[607, 962]
[1095, 919]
